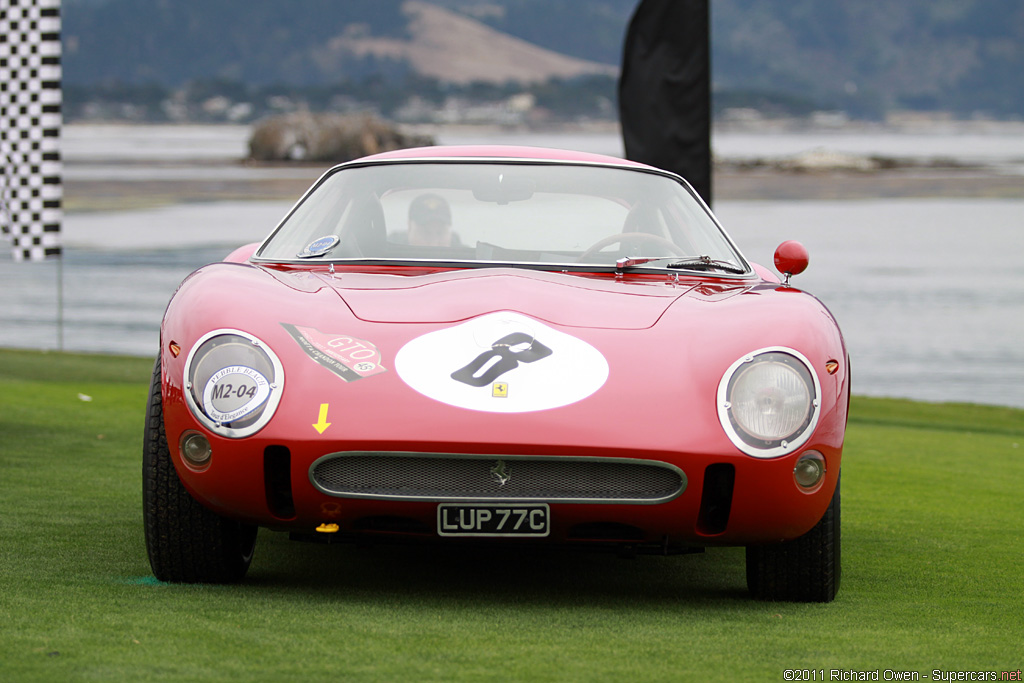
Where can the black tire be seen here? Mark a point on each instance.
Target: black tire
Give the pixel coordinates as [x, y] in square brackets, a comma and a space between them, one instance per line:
[186, 542]
[806, 569]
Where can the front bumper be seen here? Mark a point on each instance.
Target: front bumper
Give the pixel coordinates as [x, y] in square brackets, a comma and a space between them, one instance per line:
[665, 499]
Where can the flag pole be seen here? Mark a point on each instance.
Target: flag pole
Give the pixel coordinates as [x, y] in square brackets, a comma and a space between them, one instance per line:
[60, 303]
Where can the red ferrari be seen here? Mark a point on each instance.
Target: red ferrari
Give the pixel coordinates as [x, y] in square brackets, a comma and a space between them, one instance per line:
[503, 345]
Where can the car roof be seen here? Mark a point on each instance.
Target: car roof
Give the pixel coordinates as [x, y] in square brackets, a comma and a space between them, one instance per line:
[502, 152]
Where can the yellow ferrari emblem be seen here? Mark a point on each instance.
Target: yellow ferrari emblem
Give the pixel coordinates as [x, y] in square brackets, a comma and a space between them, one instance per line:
[499, 390]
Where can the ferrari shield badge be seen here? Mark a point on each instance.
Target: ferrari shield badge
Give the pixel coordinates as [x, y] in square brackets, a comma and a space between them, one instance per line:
[502, 362]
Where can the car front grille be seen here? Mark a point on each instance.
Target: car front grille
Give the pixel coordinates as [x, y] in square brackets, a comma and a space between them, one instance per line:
[451, 477]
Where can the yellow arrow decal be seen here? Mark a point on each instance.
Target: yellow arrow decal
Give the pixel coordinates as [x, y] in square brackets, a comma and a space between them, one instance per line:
[322, 424]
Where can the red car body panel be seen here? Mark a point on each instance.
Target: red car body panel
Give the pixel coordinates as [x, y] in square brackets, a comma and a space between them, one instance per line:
[500, 152]
[667, 342]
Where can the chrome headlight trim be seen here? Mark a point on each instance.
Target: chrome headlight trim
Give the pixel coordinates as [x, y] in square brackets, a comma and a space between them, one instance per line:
[788, 362]
[232, 382]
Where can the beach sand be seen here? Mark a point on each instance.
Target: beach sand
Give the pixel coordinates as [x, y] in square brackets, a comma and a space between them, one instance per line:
[730, 185]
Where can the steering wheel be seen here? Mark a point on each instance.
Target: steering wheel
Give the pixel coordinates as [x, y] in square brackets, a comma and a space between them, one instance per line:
[640, 237]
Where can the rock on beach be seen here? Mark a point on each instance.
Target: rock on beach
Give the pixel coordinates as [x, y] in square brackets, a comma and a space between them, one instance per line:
[327, 138]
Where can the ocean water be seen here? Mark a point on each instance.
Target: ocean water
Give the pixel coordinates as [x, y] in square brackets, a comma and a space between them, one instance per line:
[90, 148]
[929, 292]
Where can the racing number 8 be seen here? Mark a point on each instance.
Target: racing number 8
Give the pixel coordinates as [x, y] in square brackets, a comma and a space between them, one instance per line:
[501, 359]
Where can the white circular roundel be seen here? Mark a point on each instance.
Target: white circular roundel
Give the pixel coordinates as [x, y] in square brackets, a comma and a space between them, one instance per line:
[234, 392]
[502, 363]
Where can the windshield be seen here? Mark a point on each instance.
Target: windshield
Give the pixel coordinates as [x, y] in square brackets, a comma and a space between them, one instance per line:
[488, 213]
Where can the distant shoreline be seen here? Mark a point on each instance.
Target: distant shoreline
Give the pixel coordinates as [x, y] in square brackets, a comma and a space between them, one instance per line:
[112, 167]
[729, 185]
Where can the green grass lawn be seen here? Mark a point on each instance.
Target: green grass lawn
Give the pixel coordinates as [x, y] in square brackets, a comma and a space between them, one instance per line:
[932, 575]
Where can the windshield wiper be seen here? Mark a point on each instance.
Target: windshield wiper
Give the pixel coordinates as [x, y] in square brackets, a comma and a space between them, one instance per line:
[633, 261]
[699, 263]
[707, 263]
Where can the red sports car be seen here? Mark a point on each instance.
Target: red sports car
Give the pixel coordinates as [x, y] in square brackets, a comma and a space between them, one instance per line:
[503, 345]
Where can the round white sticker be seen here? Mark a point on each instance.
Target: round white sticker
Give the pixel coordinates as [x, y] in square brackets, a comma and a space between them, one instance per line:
[502, 363]
[234, 392]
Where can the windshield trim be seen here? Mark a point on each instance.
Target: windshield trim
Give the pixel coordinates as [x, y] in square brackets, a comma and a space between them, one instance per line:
[454, 264]
[513, 160]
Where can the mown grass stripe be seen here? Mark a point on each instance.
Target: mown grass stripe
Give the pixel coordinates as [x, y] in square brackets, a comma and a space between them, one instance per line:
[931, 574]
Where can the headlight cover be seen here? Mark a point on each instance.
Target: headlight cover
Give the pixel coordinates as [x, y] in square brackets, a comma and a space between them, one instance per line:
[769, 402]
[233, 382]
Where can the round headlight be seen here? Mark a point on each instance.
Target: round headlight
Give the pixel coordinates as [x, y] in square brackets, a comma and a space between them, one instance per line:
[768, 402]
[233, 382]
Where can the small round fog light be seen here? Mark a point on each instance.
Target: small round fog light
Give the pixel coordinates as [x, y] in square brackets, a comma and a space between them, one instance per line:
[195, 448]
[809, 470]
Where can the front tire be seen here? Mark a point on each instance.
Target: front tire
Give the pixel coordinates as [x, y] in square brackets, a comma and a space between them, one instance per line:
[186, 542]
[806, 569]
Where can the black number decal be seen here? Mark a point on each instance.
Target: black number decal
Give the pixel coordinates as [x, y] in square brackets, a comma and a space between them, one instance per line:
[501, 358]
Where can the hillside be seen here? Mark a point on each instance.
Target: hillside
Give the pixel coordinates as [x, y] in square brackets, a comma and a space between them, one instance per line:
[862, 56]
[964, 56]
[457, 49]
[267, 41]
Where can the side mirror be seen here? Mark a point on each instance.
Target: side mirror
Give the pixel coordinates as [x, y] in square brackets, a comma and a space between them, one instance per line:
[791, 259]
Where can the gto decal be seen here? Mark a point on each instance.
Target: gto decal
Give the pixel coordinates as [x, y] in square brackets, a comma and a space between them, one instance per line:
[502, 363]
[347, 357]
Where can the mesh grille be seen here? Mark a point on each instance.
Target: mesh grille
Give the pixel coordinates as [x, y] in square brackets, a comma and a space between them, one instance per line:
[447, 477]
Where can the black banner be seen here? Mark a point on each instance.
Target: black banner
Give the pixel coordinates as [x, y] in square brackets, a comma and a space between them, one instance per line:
[665, 89]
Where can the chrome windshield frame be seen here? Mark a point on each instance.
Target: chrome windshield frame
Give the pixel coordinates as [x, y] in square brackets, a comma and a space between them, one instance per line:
[256, 258]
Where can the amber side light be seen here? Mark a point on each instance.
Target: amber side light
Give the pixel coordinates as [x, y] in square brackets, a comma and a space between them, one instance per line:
[175, 348]
[832, 367]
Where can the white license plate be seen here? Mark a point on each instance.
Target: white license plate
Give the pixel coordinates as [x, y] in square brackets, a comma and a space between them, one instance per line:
[527, 520]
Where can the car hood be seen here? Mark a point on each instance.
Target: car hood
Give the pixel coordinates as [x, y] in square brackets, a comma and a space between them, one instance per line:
[557, 298]
[640, 351]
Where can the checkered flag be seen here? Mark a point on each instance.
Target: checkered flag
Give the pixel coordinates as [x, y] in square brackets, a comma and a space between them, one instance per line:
[30, 121]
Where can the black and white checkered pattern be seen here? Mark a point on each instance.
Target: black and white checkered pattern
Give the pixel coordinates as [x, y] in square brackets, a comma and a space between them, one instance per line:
[30, 121]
